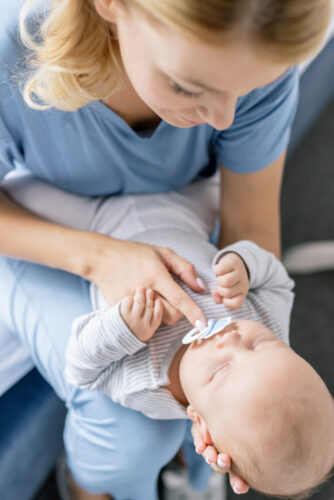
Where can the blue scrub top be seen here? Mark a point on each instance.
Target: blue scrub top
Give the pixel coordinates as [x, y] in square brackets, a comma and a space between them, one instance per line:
[93, 151]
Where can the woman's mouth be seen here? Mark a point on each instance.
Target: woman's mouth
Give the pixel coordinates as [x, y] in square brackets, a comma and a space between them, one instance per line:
[190, 121]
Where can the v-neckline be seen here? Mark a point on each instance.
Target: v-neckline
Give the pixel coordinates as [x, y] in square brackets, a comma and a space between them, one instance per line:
[142, 135]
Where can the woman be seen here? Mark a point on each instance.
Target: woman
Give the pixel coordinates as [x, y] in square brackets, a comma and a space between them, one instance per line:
[138, 96]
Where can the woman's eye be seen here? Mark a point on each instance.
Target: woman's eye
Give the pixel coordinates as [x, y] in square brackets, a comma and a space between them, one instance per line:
[180, 90]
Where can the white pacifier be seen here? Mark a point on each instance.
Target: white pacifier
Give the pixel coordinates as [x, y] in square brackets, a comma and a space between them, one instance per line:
[212, 328]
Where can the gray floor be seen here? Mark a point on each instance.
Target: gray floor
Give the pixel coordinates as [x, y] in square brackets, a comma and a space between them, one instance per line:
[307, 214]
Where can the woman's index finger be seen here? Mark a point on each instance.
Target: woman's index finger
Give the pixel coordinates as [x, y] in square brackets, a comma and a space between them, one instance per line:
[179, 299]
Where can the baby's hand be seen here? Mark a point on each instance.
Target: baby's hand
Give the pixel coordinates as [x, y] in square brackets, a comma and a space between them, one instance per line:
[232, 281]
[142, 313]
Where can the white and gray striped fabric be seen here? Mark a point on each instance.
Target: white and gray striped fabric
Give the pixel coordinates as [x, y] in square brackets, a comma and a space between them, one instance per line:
[103, 354]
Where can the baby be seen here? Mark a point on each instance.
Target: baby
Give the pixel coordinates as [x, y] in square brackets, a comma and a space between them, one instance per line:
[250, 394]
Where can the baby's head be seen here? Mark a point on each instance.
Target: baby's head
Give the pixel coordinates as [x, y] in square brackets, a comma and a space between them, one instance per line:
[263, 405]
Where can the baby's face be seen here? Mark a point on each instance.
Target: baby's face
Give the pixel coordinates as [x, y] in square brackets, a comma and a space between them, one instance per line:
[260, 402]
[231, 366]
[229, 379]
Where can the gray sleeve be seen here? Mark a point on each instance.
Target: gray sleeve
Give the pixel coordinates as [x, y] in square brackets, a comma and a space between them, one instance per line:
[97, 342]
[265, 270]
[271, 288]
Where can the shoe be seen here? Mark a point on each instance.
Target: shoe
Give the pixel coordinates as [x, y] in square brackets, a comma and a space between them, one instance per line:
[176, 486]
[309, 257]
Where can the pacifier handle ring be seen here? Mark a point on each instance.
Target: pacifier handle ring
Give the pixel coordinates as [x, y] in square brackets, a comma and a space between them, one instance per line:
[211, 329]
[192, 336]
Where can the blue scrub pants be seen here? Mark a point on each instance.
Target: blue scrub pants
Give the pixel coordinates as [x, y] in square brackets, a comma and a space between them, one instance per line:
[110, 449]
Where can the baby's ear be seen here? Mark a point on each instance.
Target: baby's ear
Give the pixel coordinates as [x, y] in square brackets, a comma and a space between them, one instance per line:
[191, 413]
[204, 430]
[201, 425]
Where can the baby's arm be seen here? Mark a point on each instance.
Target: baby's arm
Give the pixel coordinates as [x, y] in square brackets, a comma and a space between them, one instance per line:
[264, 269]
[270, 283]
[100, 339]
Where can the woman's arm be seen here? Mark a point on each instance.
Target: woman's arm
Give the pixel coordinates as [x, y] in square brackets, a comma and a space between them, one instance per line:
[250, 206]
[28, 237]
[115, 266]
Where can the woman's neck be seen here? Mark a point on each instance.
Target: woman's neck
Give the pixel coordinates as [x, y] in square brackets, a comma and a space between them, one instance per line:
[128, 105]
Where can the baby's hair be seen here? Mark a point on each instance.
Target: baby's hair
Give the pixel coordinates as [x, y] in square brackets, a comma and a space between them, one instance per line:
[74, 49]
[299, 474]
[245, 472]
[304, 495]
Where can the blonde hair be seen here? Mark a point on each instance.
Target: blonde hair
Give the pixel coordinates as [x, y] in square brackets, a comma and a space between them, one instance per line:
[75, 48]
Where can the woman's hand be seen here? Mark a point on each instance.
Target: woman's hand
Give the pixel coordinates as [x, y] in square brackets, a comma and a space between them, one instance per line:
[117, 267]
[220, 462]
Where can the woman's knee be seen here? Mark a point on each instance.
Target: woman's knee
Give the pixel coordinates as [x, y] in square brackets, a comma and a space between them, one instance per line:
[106, 455]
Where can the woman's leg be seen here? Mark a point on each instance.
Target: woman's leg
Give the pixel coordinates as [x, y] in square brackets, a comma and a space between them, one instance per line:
[121, 454]
[109, 448]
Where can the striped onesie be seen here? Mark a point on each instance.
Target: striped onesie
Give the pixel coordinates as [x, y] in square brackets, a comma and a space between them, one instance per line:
[104, 355]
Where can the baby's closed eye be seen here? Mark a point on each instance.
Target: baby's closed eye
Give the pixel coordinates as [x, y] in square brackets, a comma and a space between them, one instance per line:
[263, 342]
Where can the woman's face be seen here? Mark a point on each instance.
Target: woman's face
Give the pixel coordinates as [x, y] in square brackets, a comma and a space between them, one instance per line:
[184, 81]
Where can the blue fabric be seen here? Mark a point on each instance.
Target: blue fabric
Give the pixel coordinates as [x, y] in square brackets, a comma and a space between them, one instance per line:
[109, 448]
[31, 427]
[93, 151]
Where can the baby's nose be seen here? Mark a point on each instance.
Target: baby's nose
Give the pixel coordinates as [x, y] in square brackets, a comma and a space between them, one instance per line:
[226, 338]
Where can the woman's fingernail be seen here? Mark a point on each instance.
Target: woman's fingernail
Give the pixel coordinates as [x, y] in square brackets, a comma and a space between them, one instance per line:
[208, 461]
[201, 283]
[221, 463]
[199, 325]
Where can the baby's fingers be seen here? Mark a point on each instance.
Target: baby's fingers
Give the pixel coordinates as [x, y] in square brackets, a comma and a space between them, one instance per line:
[158, 310]
[216, 297]
[228, 280]
[229, 293]
[225, 265]
[234, 302]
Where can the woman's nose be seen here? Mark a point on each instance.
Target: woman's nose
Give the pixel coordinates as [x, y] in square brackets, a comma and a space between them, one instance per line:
[219, 113]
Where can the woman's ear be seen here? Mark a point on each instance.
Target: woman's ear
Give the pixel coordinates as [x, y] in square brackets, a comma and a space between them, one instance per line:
[201, 425]
[106, 9]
